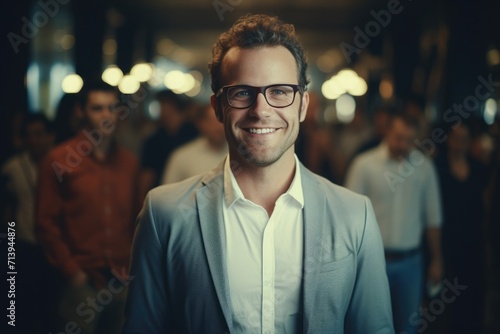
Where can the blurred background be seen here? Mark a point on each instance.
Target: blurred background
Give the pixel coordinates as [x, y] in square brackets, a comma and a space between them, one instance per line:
[364, 56]
[433, 49]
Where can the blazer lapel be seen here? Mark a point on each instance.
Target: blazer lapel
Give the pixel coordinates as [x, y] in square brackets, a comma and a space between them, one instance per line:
[209, 203]
[314, 218]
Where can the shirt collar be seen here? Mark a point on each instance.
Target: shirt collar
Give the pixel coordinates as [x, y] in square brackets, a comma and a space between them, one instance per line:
[386, 155]
[232, 191]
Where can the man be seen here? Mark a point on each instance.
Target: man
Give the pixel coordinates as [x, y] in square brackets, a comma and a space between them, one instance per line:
[402, 184]
[381, 119]
[174, 129]
[259, 244]
[85, 215]
[201, 154]
[33, 296]
[21, 173]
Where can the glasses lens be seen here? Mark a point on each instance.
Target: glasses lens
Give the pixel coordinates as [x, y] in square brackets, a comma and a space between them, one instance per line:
[240, 97]
[276, 96]
[280, 96]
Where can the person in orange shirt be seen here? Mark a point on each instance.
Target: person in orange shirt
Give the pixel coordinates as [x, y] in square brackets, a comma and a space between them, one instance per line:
[85, 214]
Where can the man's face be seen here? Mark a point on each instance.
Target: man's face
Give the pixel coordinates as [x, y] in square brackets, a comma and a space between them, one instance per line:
[279, 127]
[99, 111]
[400, 138]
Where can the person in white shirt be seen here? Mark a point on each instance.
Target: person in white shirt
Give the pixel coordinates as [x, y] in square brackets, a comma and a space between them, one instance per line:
[403, 186]
[36, 280]
[201, 154]
[259, 244]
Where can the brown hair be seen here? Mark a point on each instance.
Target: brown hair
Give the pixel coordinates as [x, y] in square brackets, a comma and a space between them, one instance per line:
[252, 31]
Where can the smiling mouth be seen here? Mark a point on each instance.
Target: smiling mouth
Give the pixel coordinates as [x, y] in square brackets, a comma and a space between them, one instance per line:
[260, 131]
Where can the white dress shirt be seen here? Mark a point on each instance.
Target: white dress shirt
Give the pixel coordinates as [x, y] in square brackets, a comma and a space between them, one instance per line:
[405, 195]
[264, 258]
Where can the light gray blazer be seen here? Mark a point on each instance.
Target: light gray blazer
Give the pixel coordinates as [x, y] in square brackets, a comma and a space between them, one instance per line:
[179, 280]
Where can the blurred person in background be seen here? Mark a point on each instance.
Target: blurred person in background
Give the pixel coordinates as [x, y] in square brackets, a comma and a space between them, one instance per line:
[67, 121]
[86, 207]
[14, 142]
[315, 144]
[403, 186]
[201, 154]
[174, 129]
[349, 137]
[381, 119]
[492, 200]
[463, 181]
[414, 107]
[493, 206]
[35, 283]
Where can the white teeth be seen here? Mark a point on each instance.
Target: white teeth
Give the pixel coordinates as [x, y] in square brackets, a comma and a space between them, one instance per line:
[261, 131]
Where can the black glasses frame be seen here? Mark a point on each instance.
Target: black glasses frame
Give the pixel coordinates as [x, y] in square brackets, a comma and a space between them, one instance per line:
[257, 90]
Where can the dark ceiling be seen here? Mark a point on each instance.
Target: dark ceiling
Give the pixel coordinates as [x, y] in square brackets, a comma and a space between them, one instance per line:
[322, 25]
[195, 24]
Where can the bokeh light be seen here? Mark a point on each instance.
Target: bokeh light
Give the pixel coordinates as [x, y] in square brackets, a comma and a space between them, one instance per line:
[72, 83]
[112, 75]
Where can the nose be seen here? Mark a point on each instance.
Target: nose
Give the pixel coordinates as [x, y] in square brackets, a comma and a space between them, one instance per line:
[107, 112]
[260, 108]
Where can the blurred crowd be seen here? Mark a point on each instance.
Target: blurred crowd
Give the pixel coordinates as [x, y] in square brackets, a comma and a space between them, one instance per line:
[75, 184]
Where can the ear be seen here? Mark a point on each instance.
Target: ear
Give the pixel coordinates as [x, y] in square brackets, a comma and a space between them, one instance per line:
[304, 107]
[217, 110]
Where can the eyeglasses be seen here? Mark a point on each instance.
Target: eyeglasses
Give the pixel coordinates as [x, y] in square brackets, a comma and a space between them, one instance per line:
[243, 96]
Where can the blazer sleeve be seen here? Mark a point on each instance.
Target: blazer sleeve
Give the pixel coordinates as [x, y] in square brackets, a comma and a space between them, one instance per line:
[370, 307]
[148, 308]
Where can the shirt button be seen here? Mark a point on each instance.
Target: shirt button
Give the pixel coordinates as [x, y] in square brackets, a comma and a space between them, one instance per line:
[267, 283]
[268, 331]
[107, 210]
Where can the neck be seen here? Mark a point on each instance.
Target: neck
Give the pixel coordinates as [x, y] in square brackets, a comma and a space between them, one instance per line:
[102, 150]
[264, 185]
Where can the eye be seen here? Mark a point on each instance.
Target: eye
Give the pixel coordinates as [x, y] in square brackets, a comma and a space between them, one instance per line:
[280, 91]
[242, 93]
[96, 108]
[277, 92]
[239, 93]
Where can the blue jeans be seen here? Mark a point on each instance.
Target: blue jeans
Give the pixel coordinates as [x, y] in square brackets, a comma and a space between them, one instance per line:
[405, 283]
